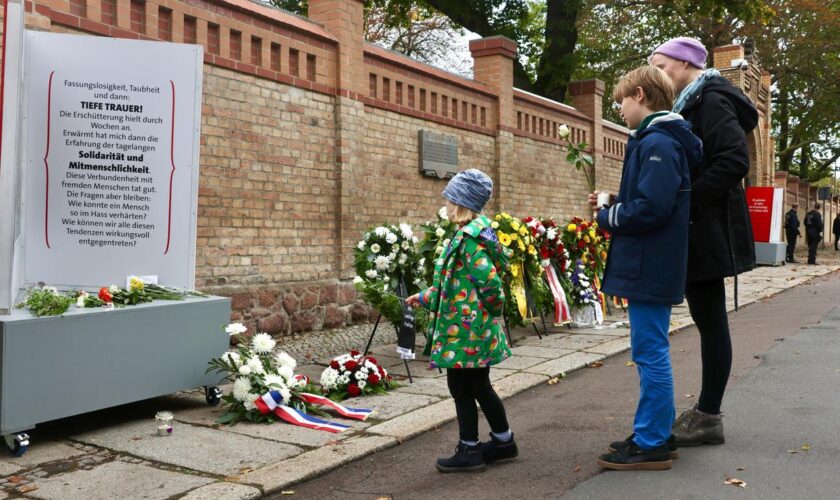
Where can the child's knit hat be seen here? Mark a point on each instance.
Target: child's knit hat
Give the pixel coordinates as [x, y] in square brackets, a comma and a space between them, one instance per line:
[470, 189]
[684, 49]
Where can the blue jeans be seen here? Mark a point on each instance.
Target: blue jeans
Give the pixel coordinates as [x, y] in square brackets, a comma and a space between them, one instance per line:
[651, 352]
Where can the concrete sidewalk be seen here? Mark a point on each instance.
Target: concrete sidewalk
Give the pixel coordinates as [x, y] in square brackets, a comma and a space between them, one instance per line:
[115, 452]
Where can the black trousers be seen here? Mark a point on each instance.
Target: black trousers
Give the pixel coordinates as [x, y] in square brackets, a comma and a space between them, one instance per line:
[791, 245]
[835, 241]
[813, 241]
[468, 385]
[707, 304]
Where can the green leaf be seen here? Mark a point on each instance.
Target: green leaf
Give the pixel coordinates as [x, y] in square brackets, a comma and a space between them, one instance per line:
[228, 418]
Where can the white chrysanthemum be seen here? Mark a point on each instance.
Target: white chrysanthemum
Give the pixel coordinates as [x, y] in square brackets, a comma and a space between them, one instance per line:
[361, 245]
[245, 370]
[286, 394]
[545, 262]
[284, 359]
[443, 214]
[406, 231]
[113, 289]
[371, 273]
[381, 231]
[328, 378]
[361, 375]
[274, 381]
[249, 403]
[287, 372]
[236, 329]
[370, 365]
[344, 379]
[551, 233]
[241, 389]
[382, 262]
[375, 248]
[362, 384]
[232, 357]
[402, 259]
[357, 280]
[256, 365]
[439, 232]
[262, 343]
[391, 238]
[405, 245]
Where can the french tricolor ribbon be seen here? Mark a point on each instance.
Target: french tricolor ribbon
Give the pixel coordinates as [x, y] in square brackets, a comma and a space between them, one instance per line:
[272, 402]
[344, 411]
[562, 314]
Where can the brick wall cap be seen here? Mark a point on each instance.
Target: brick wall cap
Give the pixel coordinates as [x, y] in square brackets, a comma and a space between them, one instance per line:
[615, 126]
[728, 48]
[409, 63]
[544, 102]
[493, 45]
[584, 87]
[267, 11]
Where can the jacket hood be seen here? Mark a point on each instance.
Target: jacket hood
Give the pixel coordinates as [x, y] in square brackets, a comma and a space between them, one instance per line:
[744, 108]
[679, 129]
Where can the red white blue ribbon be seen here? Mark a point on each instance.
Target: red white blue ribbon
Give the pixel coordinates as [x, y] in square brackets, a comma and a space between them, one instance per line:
[272, 402]
[562, 313]
[344, 411]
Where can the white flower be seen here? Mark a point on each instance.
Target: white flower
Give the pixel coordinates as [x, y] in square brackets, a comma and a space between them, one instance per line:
[236, 329]
[344, 379]
[439, 232]
[80, 301]
[283, 359]
[545, 262]
[274, 381]
[371, 273]
[255, 365]
[262, 343]
[232, 357]
[249, 403]
[361, 245]
[551, 233]
[382, 262]
[361, 375]
[402, 259]
[391, 238]
[422, 261]
[381, 231]
[417, 280]
[406, 231]
[286, 393]
[245, 370]
[563, 131]
[446, 243]
[241, 389]
[329, 378]
[375, 248]
[443, 214]
[114, 289]
[357, 280]
[395, 248]
[405, 245]
[287, 372]
[361, 384]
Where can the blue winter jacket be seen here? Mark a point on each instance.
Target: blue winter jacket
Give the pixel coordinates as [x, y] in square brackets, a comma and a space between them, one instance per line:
[649, 220]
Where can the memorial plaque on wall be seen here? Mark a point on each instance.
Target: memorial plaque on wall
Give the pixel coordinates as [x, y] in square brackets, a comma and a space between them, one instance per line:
[111, 171]
[438, 155]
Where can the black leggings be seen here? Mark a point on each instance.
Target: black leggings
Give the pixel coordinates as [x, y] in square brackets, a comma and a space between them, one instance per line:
[707, 303]
[468, 385]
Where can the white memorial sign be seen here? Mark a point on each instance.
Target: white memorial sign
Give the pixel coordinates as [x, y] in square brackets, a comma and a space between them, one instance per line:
[110, 181]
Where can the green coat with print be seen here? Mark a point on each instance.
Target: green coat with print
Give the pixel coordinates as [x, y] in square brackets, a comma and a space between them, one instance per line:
[466, 301]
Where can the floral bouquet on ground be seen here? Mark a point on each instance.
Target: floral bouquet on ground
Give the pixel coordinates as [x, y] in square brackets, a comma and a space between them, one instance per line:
[45, 300]
[585, 298]
[524, 279]
[554, 262]
[384, 257]
[437, 235]
[587, 243]
[266, 388]
[351, 375]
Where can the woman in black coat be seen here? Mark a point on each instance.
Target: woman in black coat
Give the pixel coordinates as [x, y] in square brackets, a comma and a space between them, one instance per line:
[720, 235]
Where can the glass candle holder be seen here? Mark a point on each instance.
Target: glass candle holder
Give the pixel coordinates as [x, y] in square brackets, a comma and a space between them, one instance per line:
[163, 420]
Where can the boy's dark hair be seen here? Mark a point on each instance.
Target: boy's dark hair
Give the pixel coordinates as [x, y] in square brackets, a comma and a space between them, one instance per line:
[658, 87]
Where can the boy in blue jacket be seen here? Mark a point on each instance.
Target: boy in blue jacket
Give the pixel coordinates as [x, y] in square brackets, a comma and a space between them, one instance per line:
[648, 257]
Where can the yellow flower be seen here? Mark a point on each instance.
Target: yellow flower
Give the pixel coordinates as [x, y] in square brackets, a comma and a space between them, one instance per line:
[584, 259]
[523, 231]
[521, 246]
[514, 225]
[571, 227]
[506, 215]
[532, 250]
[494, 225]
[603, 254]
[514, 236]
[586, 239]
[498, 217]
[136, 284]
[591, 233]
[504, 239]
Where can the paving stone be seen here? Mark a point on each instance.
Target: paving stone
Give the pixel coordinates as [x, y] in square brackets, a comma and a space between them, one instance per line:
[419, 369]
[198, 448]
[497, 373]
[38, 453]
[519, 362]
[117, 480]
[565, 364]
[537, 351]
[411, 424]
[611, 348]
[222, 490]
[578, 342]
[427, 386]
[280, 475]
[518, 382]
[392, 404]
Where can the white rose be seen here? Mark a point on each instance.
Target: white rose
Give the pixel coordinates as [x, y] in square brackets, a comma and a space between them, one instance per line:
[371, 273]
[391, 238]
[361, 245]
[357, 280]
[395, 248]
[442, 213]
[381, 231]
[563, 131]
[439, 232]
[375, 248]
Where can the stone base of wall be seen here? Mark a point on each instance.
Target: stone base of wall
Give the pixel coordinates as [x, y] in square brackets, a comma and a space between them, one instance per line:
[287, 309]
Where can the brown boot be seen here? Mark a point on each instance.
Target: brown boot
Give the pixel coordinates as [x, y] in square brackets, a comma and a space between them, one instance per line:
[695, 428]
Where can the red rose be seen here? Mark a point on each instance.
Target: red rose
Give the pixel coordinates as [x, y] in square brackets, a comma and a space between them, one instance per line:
[334, 365]
[381, 371]
[373, 379]
[581, 245]
[354, 353]
[544, 252]
[353, 390]
[584, 226]
[372, 360]
[105, 295]
[351, 365]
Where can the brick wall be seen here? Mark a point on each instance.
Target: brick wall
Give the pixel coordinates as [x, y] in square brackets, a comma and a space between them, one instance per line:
[309, 136]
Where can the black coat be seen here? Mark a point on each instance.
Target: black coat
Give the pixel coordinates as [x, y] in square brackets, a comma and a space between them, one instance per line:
[720, 238]
[814, 225]
[836, 228]
[791, 223]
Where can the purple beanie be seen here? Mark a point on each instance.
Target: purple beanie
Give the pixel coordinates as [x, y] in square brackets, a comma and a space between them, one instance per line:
[684, 49]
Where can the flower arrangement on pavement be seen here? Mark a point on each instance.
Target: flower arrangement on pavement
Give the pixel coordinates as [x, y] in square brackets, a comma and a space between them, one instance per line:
[353, 374]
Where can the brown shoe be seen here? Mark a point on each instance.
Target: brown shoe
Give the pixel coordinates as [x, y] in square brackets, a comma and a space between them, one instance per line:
[695, 428]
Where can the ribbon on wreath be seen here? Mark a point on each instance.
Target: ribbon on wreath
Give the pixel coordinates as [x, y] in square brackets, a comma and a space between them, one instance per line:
[601, 306]
[517, 288]
[562, 313]
[272, 402]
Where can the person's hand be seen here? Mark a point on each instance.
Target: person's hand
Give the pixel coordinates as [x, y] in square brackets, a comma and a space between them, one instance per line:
[414, 300]
[593, 200]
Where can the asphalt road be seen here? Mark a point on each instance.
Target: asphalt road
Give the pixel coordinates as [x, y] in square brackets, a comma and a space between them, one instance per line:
[788, 401]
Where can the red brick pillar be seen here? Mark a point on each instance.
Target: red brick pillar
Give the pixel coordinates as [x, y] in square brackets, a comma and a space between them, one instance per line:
[493, 66]
[588, 98]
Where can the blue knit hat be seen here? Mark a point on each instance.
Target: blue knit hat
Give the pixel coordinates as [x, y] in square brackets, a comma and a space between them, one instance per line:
[470, 189]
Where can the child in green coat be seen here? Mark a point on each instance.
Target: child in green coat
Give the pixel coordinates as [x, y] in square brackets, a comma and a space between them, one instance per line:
[465, 304]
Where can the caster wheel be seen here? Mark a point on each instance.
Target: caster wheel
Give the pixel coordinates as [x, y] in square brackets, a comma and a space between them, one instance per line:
[17, 444]
[213, 395]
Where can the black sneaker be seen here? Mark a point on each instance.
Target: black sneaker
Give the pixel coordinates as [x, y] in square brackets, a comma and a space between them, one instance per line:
[496, 451]
[671, 442]
[631, 457]
[466, 459]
